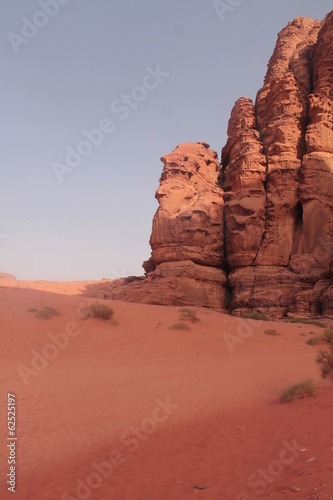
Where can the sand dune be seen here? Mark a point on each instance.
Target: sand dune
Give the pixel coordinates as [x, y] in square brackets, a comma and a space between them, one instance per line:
[140, 411]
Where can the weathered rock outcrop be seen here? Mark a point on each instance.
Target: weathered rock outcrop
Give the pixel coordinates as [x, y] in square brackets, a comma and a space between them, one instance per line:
[188, 224]
[244, 181]
[291, 126]
[186, 266]
[256, 234]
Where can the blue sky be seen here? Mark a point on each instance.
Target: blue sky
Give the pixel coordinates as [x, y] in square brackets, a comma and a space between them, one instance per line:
[149, 75]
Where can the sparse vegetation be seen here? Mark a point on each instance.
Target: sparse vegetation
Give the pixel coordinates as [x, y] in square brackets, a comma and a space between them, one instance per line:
[44, 312]
[98, 311]
[325, 360]
[304, 389]
[179, 326]
[188, 315]
[254, 315]
[326, 337]
[305, 321]
[314, 340]
[271, 332]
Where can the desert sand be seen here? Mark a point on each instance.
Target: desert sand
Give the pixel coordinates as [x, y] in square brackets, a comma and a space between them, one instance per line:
[139, 411]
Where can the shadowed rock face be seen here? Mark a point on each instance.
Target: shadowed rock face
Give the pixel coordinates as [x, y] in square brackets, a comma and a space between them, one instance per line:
[257, 233]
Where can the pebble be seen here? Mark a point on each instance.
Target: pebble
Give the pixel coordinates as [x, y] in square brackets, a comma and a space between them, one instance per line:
[310, 460]
[295, 488]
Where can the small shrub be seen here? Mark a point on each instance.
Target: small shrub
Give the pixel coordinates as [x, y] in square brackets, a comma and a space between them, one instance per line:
[325, 360]
[188, 315]
[179, 326]
[254, 315]
[314, 340]
[305, 321]
[99, 311]
[304, 389]
[44, 312]
[271, 332]
[328, 336]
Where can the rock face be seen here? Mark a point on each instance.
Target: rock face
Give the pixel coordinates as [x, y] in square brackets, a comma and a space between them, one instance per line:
[278, 215]
[257, 233]
[188, 224]
[187, 240]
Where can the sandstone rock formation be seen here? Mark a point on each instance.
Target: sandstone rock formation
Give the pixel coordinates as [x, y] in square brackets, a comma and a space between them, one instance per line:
[186, 266]
[189, 222]
[256, 234]
[278, 217]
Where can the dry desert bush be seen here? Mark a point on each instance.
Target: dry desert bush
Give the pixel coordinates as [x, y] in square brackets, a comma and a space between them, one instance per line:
[271, 332]
[44, 312]
[325, 360]
[179, 326]
[324, 338]
[305, 321]
[303, 389]
[188, 315]
[98, 311]
[254, 315]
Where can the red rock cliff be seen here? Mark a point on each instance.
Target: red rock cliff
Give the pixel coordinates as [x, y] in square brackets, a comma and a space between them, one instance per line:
[256, 234]
[278, 179]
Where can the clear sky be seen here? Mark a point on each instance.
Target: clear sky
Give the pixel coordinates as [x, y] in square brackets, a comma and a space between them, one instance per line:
[149, 74]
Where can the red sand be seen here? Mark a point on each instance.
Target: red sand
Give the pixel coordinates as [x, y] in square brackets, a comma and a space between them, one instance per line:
[177, 414]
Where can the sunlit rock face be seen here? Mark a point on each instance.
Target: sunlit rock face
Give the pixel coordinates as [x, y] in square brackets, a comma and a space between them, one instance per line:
[278, 180]
[256, 232]
[187, 239]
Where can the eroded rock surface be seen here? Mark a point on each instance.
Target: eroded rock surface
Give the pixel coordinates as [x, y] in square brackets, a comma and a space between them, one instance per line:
[187, 262]
[256, 234]
[291, 126]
